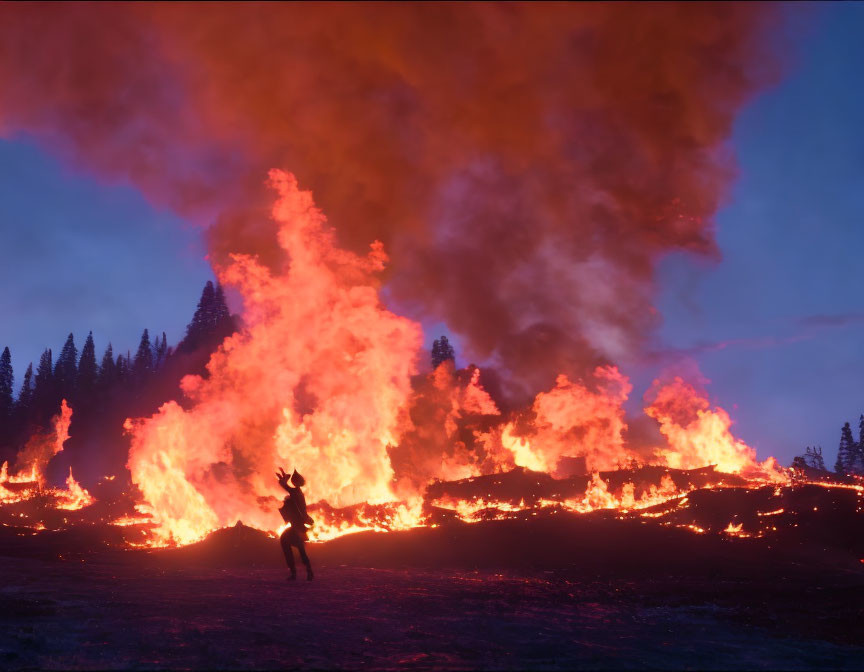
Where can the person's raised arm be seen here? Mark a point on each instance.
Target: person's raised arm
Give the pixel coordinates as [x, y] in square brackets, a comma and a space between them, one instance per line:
[282, 477]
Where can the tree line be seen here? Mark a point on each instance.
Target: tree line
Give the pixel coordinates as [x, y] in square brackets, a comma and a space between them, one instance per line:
[850, 453]
[104, 392]
[100, 390]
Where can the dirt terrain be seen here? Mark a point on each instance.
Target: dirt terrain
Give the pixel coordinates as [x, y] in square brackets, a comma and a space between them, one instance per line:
[558, 592]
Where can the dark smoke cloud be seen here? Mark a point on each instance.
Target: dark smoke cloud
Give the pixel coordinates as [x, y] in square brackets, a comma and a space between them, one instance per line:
[524, 164]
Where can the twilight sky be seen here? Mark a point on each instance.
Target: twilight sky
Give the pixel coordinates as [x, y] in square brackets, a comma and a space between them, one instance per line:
[775, 325]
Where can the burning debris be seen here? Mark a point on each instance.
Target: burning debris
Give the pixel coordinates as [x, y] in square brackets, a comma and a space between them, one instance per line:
[698, 500]
[320, 377]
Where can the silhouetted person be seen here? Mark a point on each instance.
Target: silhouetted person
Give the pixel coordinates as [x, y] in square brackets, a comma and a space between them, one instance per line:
[294, 513]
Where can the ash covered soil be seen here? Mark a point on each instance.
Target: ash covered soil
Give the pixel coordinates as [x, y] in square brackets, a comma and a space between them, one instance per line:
[556, 592]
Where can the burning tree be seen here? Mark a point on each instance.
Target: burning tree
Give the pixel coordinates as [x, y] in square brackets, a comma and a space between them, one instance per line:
[442, 351]
[211, 322]
[847, 452]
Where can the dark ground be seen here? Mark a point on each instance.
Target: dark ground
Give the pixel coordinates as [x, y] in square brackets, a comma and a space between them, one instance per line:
[558, 592]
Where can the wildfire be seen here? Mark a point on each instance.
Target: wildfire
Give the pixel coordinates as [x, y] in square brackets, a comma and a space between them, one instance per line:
[699, 435]
[32, 459]
[320, 377]
[572, 419]
[74, 497]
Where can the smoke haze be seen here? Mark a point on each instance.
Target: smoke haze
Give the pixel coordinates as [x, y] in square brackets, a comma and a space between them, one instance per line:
[523, 165]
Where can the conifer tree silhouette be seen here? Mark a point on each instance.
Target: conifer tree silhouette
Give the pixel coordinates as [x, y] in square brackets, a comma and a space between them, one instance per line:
[45, 396]
[143, 364]
[202, 320]
[846, 451]
[442, 351]
[24, 404]
[107, 372]
[66, 369]
[7, 398]
[88, 373]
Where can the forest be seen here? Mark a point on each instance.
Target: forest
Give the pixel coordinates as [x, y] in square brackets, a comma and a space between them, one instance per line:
[104, 391]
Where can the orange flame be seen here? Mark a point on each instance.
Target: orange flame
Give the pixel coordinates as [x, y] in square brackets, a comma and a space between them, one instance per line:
[320, 378]
[74, 497]
[316, 379]
[42, 446]
[699, 435]
[574, 420]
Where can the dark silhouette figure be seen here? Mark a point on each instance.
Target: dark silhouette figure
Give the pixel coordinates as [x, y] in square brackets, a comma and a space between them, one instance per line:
[294, 513]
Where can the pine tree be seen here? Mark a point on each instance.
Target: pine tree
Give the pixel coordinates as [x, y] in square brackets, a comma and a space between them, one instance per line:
[66, 370]
[143, 364]
[442, 351]
[160, 351]
[122, 368]
[6, 393]
[221, 315]
[45, 397]
[25, 396]
[88, 372]
[846, 451]
[107, 372]
[23, 412]
[202, 321]
[859, 448]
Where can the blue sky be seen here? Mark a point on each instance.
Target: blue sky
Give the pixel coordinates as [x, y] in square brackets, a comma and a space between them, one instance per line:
[790, 286]
[78, 255]
[776, 325]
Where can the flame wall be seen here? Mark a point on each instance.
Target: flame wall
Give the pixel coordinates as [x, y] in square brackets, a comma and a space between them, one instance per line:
[524, 165]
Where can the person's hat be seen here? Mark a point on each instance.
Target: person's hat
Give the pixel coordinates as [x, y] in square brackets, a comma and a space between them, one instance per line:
[297, 479]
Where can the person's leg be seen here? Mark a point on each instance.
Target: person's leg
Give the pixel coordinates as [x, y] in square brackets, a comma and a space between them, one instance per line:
[301, 549]
[289, 554]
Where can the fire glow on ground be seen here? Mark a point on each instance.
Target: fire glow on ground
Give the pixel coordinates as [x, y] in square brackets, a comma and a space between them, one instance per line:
[433, 241]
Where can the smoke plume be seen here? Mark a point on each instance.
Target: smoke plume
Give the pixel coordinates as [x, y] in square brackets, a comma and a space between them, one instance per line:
[523, 165]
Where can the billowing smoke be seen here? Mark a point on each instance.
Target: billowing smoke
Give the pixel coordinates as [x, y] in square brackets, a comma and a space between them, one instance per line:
[517, 170]
[523, 165]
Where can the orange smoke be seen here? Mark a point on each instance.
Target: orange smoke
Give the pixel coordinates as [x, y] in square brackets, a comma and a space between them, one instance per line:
[316, 380]
[523, 164]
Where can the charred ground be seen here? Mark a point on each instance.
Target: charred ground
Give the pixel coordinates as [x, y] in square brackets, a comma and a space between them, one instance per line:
[539, 589]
